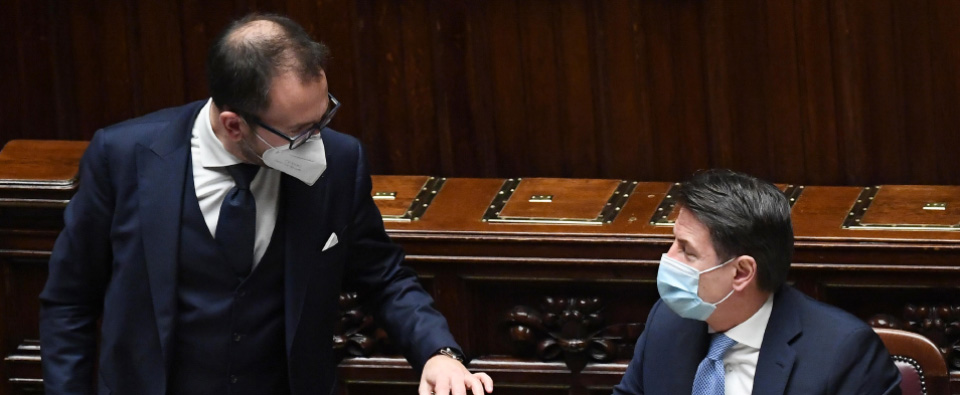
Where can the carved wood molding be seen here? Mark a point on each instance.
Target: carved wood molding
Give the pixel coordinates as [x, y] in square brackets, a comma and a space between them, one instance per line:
[940, 323]
[355, 334]
[571, 329]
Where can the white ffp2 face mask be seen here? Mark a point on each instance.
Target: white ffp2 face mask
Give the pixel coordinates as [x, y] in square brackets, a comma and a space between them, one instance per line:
[306, 163]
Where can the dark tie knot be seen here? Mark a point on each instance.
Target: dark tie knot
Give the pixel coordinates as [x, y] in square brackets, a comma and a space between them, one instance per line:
[243, 174]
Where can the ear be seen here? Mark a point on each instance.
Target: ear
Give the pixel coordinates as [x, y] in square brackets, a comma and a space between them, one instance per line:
[233, 124]
[746, 273]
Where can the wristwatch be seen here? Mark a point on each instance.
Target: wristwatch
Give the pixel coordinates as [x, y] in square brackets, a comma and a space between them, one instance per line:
[452, 353]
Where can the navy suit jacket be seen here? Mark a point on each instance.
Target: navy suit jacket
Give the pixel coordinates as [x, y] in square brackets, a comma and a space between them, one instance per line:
[808, 348]
[116, 259]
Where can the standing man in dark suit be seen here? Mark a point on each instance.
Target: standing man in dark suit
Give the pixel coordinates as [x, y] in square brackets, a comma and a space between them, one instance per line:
[214, 239]
[727, 324]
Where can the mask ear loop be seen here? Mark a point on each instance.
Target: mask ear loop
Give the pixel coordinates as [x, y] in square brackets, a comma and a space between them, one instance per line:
[715, 268]
[264, 141]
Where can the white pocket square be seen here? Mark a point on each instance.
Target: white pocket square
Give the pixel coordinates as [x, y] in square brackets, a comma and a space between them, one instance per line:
[332, 241]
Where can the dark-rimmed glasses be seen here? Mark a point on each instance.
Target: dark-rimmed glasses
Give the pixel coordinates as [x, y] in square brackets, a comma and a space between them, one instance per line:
[311, 130]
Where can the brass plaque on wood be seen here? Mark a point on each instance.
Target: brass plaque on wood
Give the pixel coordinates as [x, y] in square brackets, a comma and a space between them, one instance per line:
[559, 201]
[906, 207]
[404, 198]
[666, 213]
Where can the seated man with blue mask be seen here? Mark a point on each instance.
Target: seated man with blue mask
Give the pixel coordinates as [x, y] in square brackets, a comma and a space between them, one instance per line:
[726, 322]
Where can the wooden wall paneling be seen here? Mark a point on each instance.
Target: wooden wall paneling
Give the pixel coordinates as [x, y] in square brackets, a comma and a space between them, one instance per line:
[200, 22]
[414, 138]
[157, 64]
[115, 63]
[871, 97]
[464, 148]
[370, 79]
[850, 128]
[32, 60]
[307, 13]
[480, 93]
[62, 103]
[628, 142]
[945, 67]
[818, 125]
[101, 74]
[540, 64]
[85, 46]
[719, 118]
[384, 33]
[506, 80]
[736, 59]
[782, 131]
[575, 84]
[808, 92]
[673, 48]
[12, 84]
[337, 26]
[915, 79]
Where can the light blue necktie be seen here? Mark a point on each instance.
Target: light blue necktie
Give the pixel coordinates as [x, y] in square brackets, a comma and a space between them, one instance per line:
[710, 374]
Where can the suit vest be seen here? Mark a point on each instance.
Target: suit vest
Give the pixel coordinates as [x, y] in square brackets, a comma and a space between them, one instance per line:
[229, 334]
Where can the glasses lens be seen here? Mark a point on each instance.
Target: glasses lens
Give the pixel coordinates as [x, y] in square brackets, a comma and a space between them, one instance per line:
[302, 138]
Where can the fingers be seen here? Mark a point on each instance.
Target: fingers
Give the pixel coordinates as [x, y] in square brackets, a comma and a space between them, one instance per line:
[459, 384]
[486, 380]
[473, 383]
[443, 387]
[424, 388]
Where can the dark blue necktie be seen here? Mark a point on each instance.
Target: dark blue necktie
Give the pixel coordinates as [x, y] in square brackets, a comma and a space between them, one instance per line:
[236, 228]
[710, 374]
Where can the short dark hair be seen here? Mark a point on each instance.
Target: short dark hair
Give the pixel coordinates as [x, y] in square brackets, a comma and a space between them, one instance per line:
[241, 68]
[745, 216]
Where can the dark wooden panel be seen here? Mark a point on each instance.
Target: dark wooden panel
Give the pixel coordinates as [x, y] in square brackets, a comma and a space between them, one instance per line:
[808, 92]
[817, 103]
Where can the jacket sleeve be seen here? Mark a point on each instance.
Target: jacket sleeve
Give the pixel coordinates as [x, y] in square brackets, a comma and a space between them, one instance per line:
[863, 366]
[375, 269]
[632, 381]
[79, 269]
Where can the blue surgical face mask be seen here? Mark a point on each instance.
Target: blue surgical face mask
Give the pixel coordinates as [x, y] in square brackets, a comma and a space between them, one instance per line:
[679, 287]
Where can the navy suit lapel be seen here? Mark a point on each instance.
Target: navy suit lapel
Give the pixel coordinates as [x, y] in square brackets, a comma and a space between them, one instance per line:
[161, 170]
[305, 224]
[776, 352]
[691, 342]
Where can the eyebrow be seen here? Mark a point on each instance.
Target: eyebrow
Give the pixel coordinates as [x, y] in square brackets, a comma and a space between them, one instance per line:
[685, 243]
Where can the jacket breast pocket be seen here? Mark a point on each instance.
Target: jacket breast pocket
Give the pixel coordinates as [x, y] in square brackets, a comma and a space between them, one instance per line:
[335, 240]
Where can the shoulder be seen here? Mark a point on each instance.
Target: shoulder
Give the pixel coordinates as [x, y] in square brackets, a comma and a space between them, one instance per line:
[142, 129]
[338, 144]
[821, 317]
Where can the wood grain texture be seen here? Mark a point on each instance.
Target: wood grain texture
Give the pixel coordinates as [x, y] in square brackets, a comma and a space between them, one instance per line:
[805, 92]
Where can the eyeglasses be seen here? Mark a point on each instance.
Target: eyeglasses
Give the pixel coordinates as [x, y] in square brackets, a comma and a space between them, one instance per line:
[311, 130]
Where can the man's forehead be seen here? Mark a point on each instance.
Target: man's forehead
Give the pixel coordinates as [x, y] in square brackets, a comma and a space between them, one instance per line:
[295, 100]
[689, 229]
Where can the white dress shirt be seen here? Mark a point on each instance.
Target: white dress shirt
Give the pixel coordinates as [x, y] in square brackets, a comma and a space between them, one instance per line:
[740, 362]
[212, 182]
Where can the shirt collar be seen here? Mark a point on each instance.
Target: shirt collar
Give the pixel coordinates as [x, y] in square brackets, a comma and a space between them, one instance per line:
[750, 332]
[212, 153]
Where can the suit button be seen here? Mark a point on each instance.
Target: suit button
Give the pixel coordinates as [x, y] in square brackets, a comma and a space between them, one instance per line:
[233, 379]
[237, 337]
